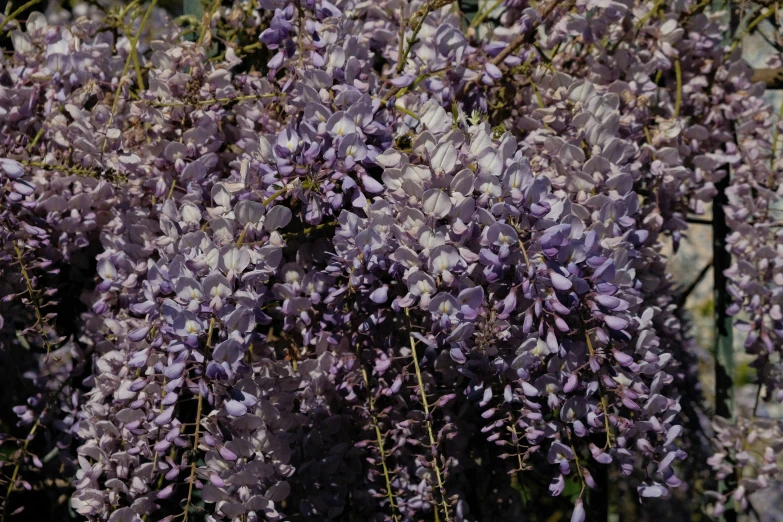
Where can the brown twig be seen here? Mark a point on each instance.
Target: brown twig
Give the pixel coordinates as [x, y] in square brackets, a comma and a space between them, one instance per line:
[439, 475]
[528, 36]
[199, 411]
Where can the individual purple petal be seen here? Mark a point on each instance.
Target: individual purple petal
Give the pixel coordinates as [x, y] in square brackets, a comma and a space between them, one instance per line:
[652, 490]
[402, 81]
[165, 416]
[615, 322]
[165, 492]
[174, 370]
[235, 408]
[579, 511]
[12, 169]
[559, 281]
[138, 334]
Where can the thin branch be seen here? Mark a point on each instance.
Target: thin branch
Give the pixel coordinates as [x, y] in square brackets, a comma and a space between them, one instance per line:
[698, 221]
[37, 137]
[134, 42]
[420, 17]
[765, 13]
[40, 320]
[481, 16]
[199, 410]
[274, 196]
[601, 392]
[15, 474]
[772, 78]
[428, 422]
[678, 75]
[18, 465]
[576, 461]
[212, 101]
[691, 287]
[406, 111]
[527, 37]
[381, 450]
[16, 13]
[206, 20]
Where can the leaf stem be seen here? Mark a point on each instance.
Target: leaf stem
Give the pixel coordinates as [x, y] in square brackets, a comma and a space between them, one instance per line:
[403, 23]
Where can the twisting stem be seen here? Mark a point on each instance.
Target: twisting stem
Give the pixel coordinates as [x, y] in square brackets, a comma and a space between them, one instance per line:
[16, 13]
[399, 91]
[37, 138]
[15, 474]
[193, 464]
[18, 465]
[155, 457]
[300, 35]
[539, 99]
[643, 20]
[527, 36]
[576, 460]
[428, 421]
[137, 67]
[171, 188]
[199, 408]
[135, 55]
[601, 391]
[39, 318]
[134, 42]
[723, 349]
[379, 437]
[520, 464]
[420, 17]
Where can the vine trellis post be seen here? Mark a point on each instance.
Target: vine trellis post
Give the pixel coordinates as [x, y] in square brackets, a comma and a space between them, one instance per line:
[723, 347]
[724, 339]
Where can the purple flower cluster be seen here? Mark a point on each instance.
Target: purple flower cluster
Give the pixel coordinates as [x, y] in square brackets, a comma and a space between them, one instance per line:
[354, 259]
